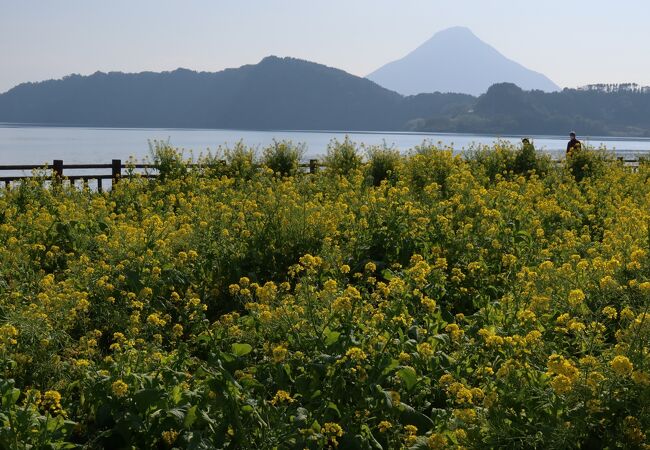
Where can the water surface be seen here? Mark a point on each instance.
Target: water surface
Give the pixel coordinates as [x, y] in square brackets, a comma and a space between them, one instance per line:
[37, 145]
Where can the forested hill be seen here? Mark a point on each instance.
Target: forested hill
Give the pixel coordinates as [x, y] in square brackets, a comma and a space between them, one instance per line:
[277, 93]
[292, 94]
[596, 110]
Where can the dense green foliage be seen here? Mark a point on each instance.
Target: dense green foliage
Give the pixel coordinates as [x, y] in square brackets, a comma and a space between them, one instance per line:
[276, 93]
[505, 108]
[283, 158]
[342, 157]
[504, 158]
[456, 303]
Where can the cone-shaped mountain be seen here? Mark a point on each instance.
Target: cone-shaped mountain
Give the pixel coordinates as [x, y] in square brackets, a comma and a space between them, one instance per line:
[455, 60]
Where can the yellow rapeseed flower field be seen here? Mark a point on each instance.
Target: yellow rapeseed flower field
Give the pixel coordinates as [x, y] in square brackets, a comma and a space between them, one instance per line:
[429, 300]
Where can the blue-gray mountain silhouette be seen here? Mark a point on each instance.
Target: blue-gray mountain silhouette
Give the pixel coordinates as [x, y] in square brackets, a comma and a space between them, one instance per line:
[291, 94]
[455, 60]
[277, 93]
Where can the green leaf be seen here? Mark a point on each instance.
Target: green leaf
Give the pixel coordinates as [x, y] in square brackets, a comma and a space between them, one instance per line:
[385, 396]
[356, 442]
[250, 383]
[408, 377]
[14, 394]
[442, 338]
[190, 417]
[207, 419]
[287, 370]
[247, 409]
[177, 413]
[241, 349]
[331, 337]
[10, 395]
[387, 274]
[227, 357]
[146, 398]
[410, 416]
[420, 444]
[202, 337]
[177, 394]
[54, 423]
[332, 406]
[65, 445]
[371, 438]
[390, 367]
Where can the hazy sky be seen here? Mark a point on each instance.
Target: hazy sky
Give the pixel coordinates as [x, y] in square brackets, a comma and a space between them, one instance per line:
[574, 42]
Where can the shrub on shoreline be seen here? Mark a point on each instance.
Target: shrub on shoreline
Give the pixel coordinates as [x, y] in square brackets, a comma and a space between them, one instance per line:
[342, 157]
[383, 164]
[283, 157]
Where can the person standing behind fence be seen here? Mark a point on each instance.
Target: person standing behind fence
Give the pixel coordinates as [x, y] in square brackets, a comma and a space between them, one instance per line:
[573, 144]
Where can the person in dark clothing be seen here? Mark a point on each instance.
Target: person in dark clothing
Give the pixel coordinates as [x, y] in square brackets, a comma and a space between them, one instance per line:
[573, 144]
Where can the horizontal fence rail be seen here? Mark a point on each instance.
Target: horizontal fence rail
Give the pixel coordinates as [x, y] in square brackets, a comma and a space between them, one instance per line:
[57, 169]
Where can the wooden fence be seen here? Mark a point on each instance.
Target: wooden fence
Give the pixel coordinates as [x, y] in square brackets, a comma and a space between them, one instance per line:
[57, 168]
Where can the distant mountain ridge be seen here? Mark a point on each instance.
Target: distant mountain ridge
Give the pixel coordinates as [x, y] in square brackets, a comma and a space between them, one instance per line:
[276, 93]
[292, 94]
[507, 109]
[455, 60]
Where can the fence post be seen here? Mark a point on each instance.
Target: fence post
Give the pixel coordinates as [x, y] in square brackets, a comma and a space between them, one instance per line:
[313, 165]
[57, 170]
[116, 170]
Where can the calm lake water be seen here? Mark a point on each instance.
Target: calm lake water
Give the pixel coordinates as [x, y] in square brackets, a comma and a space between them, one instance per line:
[36, 145]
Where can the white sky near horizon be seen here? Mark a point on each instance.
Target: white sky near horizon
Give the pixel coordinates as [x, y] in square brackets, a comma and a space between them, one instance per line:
[573, 42]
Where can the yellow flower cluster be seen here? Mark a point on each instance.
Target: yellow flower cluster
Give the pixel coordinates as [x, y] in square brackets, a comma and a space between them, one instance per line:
[333, 431]
[356, 354]
[622, 365]
[564, 373]
[282, 397]
[119, 388]
[52, 402]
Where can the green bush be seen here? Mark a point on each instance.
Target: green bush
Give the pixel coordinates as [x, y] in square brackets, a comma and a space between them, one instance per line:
[588, 162]
[342, 157]
[490, 161]
[505, 159]
[528, 161]
[240, 161]
[283, 157]
[383, 164]
[167, 160]
[428, 164]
